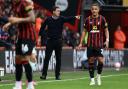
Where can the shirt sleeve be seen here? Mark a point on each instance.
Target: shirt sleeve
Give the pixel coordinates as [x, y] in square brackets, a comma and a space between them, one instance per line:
[67, 19]
[43, 26]
[104, 23]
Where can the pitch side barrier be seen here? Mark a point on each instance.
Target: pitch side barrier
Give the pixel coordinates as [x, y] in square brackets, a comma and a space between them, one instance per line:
[71, 58]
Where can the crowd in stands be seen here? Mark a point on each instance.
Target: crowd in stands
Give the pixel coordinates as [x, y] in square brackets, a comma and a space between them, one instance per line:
[7, 39]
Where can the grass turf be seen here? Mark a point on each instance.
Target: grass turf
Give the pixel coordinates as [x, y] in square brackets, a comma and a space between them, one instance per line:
[111, 79]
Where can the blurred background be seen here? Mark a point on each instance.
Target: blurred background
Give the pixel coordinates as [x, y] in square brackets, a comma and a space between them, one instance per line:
[115, 12]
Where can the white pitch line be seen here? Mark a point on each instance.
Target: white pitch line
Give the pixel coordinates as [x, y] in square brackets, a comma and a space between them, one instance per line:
[66, 79]
[79, 78]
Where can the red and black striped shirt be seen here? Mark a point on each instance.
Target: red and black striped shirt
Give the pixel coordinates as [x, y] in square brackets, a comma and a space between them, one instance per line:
[26, 29]
[96, 29]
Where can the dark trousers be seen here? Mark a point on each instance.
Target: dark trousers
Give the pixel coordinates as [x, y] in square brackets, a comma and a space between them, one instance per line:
[53, 44]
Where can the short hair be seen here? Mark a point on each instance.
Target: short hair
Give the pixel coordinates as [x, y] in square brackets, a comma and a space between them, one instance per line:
[95, 4]
[54, 8]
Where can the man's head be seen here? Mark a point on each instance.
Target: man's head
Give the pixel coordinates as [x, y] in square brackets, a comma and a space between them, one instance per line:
[95, 8]
[56, 11]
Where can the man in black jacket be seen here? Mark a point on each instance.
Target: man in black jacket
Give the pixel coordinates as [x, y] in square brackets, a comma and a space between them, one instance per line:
[54, 39]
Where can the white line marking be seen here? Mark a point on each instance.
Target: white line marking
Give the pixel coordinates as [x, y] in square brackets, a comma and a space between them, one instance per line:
[49, 81]
[79, 78]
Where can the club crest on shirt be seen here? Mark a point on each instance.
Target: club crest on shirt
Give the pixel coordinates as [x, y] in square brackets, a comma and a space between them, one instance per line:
[95, 29]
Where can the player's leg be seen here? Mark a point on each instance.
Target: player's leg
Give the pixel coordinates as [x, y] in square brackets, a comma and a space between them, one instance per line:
[33, 63]
[18, 73]
[18, 66]
[99, 69]
[91, 68]
[28, 44]
[100, 59]
[100, 64]
[28, 72]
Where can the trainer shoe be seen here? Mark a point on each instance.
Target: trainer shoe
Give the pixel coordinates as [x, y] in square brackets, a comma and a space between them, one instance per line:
[92, 82]
[30, 85]
[98, 79]
[18, 85]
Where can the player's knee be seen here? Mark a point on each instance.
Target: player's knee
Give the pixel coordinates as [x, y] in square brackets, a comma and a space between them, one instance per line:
[91, 60]
[18, 60]
[100, 60]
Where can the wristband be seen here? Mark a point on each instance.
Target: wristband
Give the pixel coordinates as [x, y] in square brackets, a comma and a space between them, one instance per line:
[107, 39]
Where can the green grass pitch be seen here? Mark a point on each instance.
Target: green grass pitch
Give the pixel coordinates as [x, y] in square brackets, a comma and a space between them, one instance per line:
[111, 79]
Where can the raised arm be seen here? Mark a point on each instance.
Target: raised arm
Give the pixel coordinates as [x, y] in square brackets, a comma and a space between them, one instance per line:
[15, 20]
[30, 18]
[70, 18]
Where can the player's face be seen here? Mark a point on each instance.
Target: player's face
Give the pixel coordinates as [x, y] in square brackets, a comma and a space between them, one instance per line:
[57, 12]
[95, 10]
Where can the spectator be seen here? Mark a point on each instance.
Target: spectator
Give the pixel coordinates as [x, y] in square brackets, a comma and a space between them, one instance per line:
[66, 35]
[41, 16]
[38, 26]
[6, 38]
[70, 38]
[119, 38]
[74, 39]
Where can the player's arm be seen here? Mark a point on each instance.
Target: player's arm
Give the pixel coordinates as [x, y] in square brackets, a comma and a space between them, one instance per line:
[30, 18]
[107, 37]
[15, 20]
[106, 34]
[82, 37]
[84, 32]
[70, 18]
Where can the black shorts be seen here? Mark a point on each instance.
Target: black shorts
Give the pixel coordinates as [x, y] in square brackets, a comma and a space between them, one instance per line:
[24, 47]
[94, 52]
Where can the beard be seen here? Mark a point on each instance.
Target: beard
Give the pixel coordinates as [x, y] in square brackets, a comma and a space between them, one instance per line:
[95, 15]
